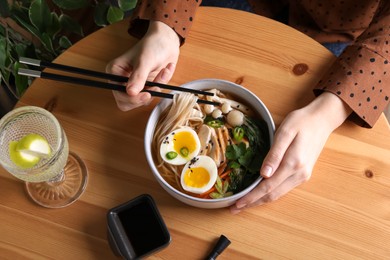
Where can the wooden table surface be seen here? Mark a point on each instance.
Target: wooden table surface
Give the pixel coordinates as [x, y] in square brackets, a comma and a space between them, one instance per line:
[343, 212]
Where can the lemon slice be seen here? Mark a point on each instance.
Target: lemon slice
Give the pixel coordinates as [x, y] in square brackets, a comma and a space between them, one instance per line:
[29, 150]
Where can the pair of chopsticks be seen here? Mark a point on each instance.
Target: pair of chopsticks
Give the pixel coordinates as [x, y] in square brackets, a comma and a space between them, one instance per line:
[102, 75]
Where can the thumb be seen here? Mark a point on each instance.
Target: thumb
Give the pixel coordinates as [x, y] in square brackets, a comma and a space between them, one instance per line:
[276, 154]
[137, 80]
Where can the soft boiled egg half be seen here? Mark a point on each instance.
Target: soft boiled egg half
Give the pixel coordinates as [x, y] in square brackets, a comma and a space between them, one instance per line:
[199, 175]
[180, 146]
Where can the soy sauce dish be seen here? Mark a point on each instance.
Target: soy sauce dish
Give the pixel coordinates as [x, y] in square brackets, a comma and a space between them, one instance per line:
[209, 156]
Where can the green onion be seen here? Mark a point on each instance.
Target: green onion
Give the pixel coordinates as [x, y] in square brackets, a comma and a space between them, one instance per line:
[184, 151]
[238, 133]
[171, 155]
[215, 123]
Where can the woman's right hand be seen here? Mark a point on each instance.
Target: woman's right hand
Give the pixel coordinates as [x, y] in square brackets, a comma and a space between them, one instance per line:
[153, 58]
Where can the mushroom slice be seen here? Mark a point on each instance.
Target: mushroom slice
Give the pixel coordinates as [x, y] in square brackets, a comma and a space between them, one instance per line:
[204, 134]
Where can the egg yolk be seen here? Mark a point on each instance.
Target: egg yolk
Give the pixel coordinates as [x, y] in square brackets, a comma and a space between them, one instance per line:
[184, 143]
[196, 177]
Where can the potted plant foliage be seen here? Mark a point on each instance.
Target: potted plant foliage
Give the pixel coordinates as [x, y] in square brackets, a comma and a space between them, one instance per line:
[43, 30]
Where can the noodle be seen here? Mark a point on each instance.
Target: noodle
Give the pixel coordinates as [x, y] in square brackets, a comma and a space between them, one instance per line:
[171, 118]
[185, 112]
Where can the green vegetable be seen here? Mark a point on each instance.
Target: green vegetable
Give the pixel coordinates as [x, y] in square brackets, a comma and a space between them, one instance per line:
[257, 133]
[171, 155]
[222, 189]
[235, 151]
[246, 162]
[215, 123]
[184, 151]
[236, 179]
[238, 133]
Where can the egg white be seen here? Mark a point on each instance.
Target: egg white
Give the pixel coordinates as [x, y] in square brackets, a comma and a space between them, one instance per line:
[208, 165]
[184, 137]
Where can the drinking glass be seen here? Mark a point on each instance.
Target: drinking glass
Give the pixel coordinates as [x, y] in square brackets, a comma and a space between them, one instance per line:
[55, 181]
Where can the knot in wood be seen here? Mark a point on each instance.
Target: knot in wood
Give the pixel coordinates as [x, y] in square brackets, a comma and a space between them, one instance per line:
[300, 69]
[368, 173]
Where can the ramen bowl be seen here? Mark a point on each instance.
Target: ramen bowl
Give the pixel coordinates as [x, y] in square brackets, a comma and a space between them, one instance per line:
[246, 97]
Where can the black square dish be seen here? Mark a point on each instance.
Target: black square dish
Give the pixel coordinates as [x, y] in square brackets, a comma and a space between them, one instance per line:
[136, 228]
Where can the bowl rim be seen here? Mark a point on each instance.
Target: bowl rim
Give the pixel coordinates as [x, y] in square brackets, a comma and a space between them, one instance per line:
[150, 126]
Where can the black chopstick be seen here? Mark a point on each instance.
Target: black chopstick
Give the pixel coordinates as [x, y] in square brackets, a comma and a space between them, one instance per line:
[97, 84]
[102, 75]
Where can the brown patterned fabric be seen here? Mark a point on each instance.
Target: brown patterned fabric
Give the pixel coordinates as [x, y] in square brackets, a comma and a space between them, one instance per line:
[360, 76]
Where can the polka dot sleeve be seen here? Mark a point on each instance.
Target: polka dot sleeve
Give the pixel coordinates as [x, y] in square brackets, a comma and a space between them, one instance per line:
[361, 74]
[177, 14]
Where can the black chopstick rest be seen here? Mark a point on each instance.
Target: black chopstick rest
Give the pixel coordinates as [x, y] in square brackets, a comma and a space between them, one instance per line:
[221, 245]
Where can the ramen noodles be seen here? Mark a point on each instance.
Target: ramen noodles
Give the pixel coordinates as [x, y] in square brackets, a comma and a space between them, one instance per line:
[209, 151]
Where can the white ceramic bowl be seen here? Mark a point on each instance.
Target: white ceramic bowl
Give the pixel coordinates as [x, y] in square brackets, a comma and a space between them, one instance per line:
[226, 87]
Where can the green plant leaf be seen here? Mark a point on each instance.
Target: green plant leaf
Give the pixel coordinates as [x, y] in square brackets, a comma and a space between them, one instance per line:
[20, 49]
[64, 42]
[31, 51]
[70, 25]
[3, 51]
[55, 26]
[21, 82]
[39, 15]
[114, 14]
[71, 4]
[126, 5]
[2, 31]
[4, 8]
[47, 42]
[100, 14]
[27, 26]
[5, 75]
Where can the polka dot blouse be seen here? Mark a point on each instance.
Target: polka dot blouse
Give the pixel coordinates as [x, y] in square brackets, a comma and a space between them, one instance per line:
[361, 74]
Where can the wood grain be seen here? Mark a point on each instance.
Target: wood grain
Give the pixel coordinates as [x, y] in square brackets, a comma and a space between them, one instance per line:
[343, 212]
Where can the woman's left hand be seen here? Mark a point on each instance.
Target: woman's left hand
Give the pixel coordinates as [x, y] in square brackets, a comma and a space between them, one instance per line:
[297, 144]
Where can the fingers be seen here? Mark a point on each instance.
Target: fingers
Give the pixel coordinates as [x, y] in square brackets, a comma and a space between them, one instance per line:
[118, 67]
[275, 155]
[137, 79]
[126, 103]
[166, 74]
[289, 184]
[290, 171]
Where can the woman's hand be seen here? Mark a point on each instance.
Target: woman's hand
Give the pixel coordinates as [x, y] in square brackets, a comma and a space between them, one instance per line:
[297, 144]
[153, 58]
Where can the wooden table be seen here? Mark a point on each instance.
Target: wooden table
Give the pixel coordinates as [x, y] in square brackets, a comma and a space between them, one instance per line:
[343, 212]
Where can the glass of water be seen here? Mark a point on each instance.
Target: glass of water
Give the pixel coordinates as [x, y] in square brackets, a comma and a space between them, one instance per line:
[34, 148]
